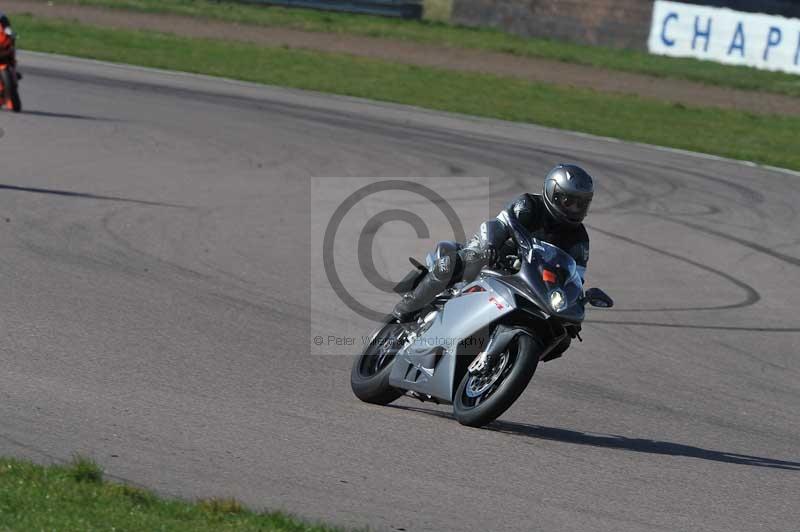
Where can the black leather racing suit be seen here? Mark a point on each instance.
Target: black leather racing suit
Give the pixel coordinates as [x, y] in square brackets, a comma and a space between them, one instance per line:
[455, 262]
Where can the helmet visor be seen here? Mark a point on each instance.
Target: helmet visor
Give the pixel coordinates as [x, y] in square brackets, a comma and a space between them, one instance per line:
[575, 206]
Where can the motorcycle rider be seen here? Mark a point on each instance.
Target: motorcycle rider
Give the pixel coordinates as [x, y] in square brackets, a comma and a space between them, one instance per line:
[8, 40]
[8, 54]
[555, 216]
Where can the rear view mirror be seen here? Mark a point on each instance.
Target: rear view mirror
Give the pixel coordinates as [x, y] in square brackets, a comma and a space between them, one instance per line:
[597, 298]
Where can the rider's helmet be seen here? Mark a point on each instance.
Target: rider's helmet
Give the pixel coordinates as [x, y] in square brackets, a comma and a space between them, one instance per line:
[567, 193]
[5, 29]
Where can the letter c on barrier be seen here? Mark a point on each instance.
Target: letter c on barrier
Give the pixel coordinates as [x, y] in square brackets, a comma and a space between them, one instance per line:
[773, 39]
[664, 39]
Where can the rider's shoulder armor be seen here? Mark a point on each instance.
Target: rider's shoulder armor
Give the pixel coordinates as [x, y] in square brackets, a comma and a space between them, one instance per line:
[521, 204]
[528, 209]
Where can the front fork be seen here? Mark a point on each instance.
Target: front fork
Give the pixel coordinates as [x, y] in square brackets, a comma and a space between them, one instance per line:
[499, 341]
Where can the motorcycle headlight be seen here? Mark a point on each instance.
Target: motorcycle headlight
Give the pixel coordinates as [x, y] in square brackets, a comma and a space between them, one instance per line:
[558, 301]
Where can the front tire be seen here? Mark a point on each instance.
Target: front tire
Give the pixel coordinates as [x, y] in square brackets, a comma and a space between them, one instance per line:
[369, 377]
[16, 102]
[479, 400]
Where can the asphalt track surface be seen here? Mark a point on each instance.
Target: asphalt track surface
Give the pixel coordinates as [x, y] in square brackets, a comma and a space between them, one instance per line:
[155, 315]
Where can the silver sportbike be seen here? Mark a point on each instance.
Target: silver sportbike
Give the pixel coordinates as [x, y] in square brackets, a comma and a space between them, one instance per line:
[478, 344]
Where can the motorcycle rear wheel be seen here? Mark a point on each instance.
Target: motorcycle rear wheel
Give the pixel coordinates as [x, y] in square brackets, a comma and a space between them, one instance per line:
[479, 400]
[369, 377]
[10, 90]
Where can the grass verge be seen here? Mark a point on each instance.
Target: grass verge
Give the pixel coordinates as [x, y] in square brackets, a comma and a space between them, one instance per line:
[764, 139]
[432, 32]
[75, 497]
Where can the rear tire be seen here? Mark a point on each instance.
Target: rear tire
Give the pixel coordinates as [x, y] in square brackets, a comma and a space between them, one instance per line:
[10, 91]
[369, 377]
[518, 369]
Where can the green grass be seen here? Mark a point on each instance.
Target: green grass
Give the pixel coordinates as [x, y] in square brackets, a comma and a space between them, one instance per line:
[764, 139]
[432, 32]
[75, 497]
[437, 10]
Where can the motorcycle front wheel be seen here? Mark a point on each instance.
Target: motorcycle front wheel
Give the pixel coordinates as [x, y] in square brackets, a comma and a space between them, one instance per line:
[16, 102]
[480, 399]
[369, 377]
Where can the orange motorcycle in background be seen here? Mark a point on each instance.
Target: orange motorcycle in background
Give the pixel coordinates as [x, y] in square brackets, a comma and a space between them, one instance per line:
[9, 78]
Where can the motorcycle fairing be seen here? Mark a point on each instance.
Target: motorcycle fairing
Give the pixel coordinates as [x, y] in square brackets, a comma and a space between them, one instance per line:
[428, 364]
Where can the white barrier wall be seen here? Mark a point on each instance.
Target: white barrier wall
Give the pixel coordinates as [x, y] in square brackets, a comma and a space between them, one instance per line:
[769, 42]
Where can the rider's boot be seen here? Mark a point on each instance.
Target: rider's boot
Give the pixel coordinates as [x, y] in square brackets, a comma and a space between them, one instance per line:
[421, 296]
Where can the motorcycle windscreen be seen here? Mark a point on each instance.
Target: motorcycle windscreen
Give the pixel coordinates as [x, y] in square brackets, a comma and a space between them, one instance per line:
[563, 266]
[549, 269]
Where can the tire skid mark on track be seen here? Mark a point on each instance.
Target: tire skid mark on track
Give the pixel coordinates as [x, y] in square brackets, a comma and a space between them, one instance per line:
[751, 298]
[698, 326]
[69, 116]
[748, 354]
[643, 195]
[788, 259]
[268, 305]
[85, 195]
[749, 197]
[263, 292]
